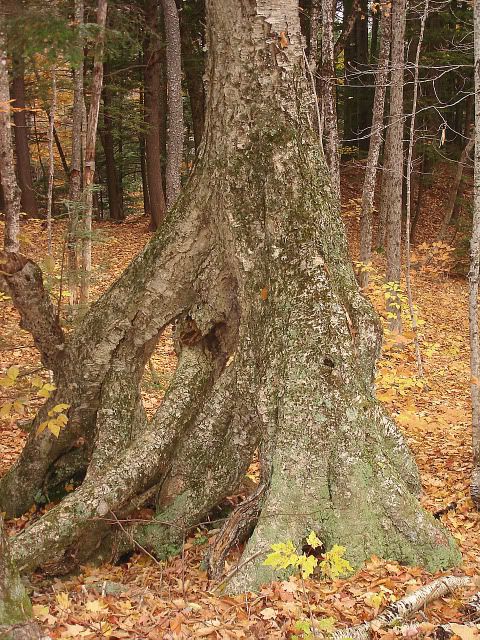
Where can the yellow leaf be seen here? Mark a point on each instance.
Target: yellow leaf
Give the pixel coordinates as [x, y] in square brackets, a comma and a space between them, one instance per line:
[5, 409]
[63, 600]
[54, 428]
[313, 540]
[12, 373]
[96, 606]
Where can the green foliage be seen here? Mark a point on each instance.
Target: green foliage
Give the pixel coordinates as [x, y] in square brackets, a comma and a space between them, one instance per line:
[333, 565]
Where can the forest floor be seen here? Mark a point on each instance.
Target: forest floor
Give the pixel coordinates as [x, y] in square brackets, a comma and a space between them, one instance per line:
[146, 599]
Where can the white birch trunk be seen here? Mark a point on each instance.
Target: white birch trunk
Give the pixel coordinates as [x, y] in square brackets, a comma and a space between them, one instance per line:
[473, 276]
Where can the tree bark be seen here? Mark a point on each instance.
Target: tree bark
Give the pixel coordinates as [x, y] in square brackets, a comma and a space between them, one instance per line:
[90, 144]
[473, 275]
[75, 204]
[22, 151]
[276, 344]
[11, 192]
[51, 161]
[15, 607]
[368, 192]
[153, 115]
[175, 105]
[329, 109]
[392, 181]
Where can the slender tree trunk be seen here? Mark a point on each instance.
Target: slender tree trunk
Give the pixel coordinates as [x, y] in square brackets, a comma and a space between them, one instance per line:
[419, 200]
[329, 109]
[392, 181]
[175, 105]
[15, 607]
[368, 192]
[411, 145]
[473, 276]
[11, 191]
[92, 123]
[113, 181]
[75, 204]
[22, 151]
[153, 116]
[277, 350]
[51, 161]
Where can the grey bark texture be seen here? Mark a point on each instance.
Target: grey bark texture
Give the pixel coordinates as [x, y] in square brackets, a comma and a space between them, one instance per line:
[174, 101]
[368, 191]
[392, 180]
[75, 192]
[15, 607]
[277, 350]
[90, 144]
[11, 192]
[328, 92]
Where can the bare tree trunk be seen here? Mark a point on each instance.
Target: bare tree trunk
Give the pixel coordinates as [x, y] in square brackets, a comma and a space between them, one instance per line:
[473, 276]
[92, 123]
[153, 115]
[75, 204]
[455, 188]
[11, 191]
[175, 106]
[51, 160]
[329, 109]
[392, 180]
[368, 192]
[24, 170]
[411, 144]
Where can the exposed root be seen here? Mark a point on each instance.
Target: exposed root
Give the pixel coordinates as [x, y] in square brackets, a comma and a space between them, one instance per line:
[132, 472]
[401, 610]
[236, 530]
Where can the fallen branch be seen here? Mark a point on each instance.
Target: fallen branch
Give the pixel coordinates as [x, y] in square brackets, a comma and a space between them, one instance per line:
[404, 608]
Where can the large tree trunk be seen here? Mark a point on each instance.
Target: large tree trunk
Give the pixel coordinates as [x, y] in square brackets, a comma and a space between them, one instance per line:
[276, 344]
[22, 151]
